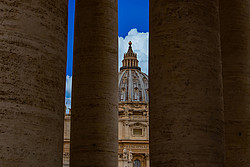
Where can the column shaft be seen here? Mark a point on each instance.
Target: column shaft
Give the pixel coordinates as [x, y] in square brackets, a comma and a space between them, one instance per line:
[94, 134]
[32, 82]
[186, 104]
[235, 44]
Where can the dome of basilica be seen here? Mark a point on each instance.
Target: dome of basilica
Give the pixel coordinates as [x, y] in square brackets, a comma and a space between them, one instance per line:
[132, 83]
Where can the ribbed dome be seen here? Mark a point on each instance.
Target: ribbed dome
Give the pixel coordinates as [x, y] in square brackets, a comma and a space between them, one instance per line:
[132, 83]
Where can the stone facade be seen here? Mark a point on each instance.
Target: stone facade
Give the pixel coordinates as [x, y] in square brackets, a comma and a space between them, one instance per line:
[66, 144]
[133, 132]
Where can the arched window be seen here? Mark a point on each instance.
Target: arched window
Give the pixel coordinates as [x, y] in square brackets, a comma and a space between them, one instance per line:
[137, 163]
[123, 96]
[136, 94]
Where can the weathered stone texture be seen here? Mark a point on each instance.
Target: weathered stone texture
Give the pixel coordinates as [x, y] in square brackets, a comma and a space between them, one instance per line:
[186, 110]
[32, 80]
[235, 44]
[94, 139]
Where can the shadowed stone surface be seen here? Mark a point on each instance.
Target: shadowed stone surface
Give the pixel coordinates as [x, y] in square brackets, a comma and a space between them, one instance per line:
[32, 80]
[186, 110]
[94, 139]
[235, 44]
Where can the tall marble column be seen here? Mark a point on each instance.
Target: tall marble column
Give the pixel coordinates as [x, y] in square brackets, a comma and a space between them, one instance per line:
[235, 48]
[186, 104]
[33, 39]
[94, 134]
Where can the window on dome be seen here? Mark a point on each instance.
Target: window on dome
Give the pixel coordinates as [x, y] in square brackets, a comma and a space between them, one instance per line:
[136, 94]
[122, 97]
[140, 95]
[123, 94]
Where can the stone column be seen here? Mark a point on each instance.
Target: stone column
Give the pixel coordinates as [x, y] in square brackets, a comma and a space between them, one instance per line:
[186, 104]
[32, 82]
[235, 48]
[94, 134]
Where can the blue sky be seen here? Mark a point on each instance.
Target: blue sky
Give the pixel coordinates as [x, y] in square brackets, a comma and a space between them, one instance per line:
[71, 18]
[132, 14]
[133, 24]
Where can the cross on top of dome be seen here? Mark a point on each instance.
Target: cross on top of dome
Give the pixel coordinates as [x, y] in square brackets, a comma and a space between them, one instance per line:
[130, 43]
[130, 51]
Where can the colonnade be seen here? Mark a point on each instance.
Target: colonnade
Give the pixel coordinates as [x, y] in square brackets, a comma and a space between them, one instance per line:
[199, 83]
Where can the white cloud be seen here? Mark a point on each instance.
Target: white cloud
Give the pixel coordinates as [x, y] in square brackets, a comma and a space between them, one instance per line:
[68, 86]
[68, 104]
[68, 90]
[139, 45]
